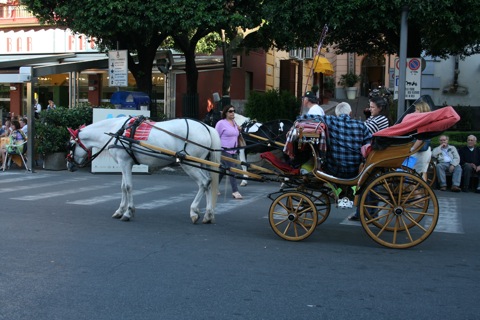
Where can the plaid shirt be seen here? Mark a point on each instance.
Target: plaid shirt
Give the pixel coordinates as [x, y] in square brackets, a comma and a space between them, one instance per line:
[346, 138]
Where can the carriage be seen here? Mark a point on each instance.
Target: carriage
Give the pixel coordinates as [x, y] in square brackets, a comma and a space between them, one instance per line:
[398, 209]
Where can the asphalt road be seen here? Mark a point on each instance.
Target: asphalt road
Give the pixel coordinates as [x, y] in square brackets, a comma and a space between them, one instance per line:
[64, 257]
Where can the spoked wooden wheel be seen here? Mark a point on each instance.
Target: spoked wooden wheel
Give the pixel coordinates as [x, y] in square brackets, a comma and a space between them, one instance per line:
[398, 210]
[322, 203]
[293, 216]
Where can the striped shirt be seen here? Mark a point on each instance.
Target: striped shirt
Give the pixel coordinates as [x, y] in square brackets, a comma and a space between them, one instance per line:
[376, 123]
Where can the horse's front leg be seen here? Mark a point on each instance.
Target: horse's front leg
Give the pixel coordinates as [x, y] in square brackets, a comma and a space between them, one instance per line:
[126, 210]
[123, 203]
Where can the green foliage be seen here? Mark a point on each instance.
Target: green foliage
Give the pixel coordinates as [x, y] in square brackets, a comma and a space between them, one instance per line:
[349, 79]
[272, 105]
[455, 138]
[51, 134]
[466, 118]
[373, 26]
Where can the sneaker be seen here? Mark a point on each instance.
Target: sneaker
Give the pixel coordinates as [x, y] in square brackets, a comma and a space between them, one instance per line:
[237, 195]
[443, 188]
[478, 190]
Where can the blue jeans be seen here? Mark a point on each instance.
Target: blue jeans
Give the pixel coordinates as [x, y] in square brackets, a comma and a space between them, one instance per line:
[228, 164]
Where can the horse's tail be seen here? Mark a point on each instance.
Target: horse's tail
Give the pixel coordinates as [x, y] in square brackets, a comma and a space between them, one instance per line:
[215, 156]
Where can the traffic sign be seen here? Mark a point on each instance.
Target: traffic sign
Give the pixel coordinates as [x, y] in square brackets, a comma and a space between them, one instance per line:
[118, 68]
[413, 78]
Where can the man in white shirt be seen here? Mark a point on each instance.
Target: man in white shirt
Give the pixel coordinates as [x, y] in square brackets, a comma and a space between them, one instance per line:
[310, 102]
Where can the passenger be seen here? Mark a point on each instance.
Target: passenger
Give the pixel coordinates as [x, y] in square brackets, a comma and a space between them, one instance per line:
[16, 137]
[310, 102]
[229, 132]
[346, 136]
[378, 119]
[447, 159]
[470, 162]
[424, 155]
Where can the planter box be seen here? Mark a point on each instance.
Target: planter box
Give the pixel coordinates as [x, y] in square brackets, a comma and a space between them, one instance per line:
[351, 93]
[55, 161]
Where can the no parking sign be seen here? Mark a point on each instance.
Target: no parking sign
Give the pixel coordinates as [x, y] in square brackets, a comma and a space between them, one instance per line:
[413, 78]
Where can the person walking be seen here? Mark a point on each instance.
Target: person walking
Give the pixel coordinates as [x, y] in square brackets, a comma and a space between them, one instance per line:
[229, 133]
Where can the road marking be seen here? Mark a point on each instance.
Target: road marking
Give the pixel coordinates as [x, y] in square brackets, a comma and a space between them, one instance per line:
[53, 194]
[449, 219]
[115, 196]
[28, 186]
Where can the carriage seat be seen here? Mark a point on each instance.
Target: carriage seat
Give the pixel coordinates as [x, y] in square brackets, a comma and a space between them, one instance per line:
[278, 163]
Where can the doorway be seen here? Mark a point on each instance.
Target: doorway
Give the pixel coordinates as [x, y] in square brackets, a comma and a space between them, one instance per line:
[373, 73]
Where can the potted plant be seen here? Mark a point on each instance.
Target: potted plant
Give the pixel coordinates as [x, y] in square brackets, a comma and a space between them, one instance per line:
[348, 81]
[51, 134]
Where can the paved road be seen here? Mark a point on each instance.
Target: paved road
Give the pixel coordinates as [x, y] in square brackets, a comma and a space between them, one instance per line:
[64, 257]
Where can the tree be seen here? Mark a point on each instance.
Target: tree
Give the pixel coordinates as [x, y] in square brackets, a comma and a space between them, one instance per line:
[436, 27]
[122, 24]
[141, 27]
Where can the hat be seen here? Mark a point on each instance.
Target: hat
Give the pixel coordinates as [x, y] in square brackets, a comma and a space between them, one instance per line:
[311, 96]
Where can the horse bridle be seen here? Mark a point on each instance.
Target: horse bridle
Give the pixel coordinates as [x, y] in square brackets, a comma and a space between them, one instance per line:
[75, 135]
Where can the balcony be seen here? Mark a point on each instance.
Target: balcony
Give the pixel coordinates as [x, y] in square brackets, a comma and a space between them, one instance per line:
[15, 16]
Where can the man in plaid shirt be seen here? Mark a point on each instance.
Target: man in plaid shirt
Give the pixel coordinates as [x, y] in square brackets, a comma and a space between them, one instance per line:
[346, 138]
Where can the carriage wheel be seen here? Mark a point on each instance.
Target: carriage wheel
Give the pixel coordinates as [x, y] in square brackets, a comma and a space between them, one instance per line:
[322, 203]
[293, 216]
[398, 210]
[431, 174]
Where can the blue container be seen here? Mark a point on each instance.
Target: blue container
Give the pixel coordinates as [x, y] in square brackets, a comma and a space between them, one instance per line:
[132, 100]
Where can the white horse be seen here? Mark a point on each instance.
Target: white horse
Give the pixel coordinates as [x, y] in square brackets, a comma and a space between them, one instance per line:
[183, 137]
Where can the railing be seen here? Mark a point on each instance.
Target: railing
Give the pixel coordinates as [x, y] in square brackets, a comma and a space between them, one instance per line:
[10, 13]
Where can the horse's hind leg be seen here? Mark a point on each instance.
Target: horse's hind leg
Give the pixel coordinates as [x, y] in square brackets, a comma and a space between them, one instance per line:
[203, 181]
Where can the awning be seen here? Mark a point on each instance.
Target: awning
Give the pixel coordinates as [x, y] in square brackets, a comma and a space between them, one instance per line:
[322, 65]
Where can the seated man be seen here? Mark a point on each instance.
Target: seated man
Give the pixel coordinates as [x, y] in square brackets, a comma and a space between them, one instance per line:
[346, 136]
[470, 162]
[447, 159]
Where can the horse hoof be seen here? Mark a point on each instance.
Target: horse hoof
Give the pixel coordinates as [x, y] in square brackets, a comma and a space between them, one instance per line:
[125, 218]
[194, 218]
[116, 216]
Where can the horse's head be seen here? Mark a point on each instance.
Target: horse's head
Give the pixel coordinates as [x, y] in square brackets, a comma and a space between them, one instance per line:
[77, 156]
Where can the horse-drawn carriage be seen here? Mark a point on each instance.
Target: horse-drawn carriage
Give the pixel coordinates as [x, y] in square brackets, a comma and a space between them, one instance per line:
[398, 209]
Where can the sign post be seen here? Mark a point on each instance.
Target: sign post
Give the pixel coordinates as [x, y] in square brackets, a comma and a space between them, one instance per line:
[118, 68]
[413, 78]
